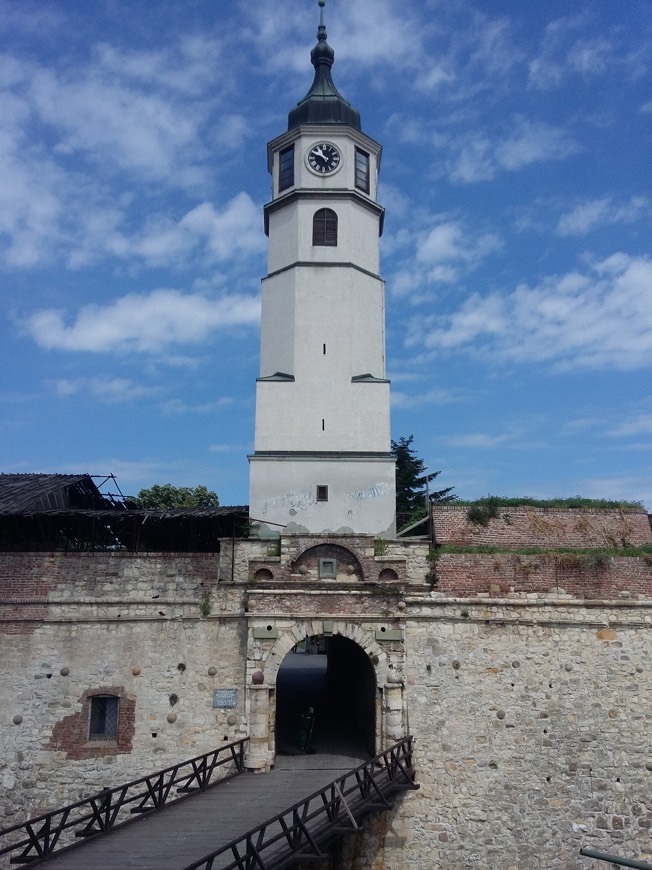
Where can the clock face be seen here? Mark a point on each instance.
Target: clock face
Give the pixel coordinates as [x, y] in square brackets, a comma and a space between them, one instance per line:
[323, 158]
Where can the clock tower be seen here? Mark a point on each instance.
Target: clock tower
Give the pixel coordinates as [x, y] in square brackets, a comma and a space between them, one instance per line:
[322, 460]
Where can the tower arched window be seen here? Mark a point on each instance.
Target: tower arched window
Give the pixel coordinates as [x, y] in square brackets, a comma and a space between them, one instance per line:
[324, 227]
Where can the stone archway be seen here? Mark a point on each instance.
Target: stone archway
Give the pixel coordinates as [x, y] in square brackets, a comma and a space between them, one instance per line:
[380, 723]
[333, 676]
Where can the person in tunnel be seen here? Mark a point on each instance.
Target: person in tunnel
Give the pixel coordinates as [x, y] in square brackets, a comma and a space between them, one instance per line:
[306, 724]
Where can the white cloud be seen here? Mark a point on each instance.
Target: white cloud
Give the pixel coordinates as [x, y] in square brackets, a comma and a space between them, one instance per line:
[448, 249]
[478, 157]
[594, 213]
[178, 406]
[569, 49]
[31, 207]
[533, 142]
[472, 161]
[105, 389]
[147, 323]
[235, 230]
[565, 50]
[478, 440]
[404, 400]
[637, 425]
[441, 243]
[442, 254]
[115, 125]
[617, 488]
[225, 448]
[187, 67]
[226, 234]
[82, 137]
[599, 319]
[590, 56]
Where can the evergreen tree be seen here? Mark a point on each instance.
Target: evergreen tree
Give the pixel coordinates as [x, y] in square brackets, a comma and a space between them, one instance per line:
[411, 479]
[163, 497]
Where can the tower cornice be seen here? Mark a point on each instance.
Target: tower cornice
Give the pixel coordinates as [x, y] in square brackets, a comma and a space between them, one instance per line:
[309, 264]
[342, 195]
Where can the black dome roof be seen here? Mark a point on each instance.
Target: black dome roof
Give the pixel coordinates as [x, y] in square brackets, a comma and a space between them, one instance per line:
[323, 104]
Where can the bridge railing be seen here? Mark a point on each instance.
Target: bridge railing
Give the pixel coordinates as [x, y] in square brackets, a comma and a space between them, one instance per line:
[301, 832]
[100, 813]
[615, 859]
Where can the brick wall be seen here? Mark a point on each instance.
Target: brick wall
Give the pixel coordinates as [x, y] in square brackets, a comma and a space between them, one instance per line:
[543, 527]
[473, 574]
[70, 733]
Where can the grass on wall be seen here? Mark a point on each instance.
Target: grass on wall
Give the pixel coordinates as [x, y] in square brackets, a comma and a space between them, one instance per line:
[492, 502]
[644, 552]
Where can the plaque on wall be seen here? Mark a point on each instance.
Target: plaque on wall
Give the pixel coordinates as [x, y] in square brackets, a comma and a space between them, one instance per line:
[225, 698]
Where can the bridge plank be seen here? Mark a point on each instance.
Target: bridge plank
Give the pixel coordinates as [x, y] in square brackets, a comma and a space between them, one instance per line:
[184, 832]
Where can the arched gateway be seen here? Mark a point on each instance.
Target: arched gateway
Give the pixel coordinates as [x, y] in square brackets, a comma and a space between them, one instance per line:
[339, 669]
[334, 679]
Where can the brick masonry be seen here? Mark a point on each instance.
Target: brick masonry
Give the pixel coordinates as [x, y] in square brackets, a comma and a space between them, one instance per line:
[70, 733]
[543, 527]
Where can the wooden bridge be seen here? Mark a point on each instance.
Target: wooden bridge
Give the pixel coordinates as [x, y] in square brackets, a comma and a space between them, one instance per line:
[208, 813]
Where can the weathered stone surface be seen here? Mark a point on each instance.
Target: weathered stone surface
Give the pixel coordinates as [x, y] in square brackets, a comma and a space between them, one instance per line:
[529, 704]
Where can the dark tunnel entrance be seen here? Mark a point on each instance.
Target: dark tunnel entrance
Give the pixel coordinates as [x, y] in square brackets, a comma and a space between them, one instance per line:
[335, 677]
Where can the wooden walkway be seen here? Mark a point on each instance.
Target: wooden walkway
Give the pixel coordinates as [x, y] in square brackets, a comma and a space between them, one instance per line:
[185, 832]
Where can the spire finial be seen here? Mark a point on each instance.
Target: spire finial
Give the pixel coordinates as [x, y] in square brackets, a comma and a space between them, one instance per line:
[323, 104]
[321, 30]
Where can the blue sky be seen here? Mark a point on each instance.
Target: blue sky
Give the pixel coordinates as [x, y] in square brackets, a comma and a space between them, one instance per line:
[516, 178]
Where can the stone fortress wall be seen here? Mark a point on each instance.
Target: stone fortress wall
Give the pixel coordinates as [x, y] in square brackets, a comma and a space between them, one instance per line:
[526, 680]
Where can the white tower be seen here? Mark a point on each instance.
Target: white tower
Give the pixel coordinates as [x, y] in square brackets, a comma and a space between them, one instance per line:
[322, 460]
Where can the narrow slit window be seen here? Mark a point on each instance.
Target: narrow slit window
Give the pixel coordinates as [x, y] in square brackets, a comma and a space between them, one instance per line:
[362, 170]
[286, 168]
[324, 227]
[103, 724]
[322, 492]
[323, 425]
[324, 349]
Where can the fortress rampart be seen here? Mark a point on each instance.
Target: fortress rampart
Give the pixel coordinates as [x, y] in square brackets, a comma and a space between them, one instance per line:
[525, 678]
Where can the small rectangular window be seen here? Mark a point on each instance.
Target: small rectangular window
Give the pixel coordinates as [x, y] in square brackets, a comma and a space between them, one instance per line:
[362, 170]
[322, 493]
[286, 168]
[327, 568]
[103, 723]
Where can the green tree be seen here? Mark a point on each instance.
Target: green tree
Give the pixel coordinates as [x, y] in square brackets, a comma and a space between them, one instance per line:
[411, 480]
[165, 496]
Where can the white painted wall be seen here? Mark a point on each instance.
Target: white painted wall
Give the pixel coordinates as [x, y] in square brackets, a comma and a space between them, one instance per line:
[323, 323]
[290, 234]
[361, 494]
[310, 306]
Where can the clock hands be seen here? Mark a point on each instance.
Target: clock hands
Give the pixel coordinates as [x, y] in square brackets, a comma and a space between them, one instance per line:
[324, 157]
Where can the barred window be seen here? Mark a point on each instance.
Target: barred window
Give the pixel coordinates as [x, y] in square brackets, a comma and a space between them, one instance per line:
[324, 227]
[103, 723]
[286, 168]
[362, 170]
